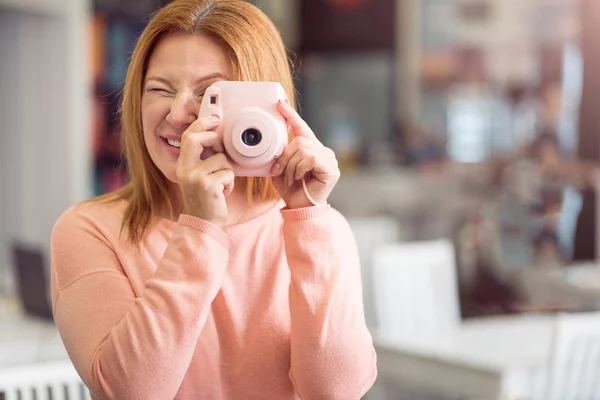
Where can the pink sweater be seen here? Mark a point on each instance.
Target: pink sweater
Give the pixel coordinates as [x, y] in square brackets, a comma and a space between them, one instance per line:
[267, 309]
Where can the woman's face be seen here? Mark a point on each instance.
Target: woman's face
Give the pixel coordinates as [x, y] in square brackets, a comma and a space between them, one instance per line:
[180, 69]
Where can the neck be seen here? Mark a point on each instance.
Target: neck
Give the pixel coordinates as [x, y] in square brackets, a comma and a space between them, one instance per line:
[238, 205]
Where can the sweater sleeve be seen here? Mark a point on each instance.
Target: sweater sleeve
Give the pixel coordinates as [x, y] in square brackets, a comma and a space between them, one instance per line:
[332, 353]
[123, 346]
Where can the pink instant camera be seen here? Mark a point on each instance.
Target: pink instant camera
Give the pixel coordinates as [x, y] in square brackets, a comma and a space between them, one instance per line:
[254, 133]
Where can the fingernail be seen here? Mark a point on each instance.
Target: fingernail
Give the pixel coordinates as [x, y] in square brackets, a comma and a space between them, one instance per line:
[275, 169]
[214, 119]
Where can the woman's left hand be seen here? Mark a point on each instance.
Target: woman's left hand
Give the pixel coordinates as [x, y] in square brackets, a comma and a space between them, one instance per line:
[304, 157]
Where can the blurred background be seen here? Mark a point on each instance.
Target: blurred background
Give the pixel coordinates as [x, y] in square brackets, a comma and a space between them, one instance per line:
[467, 134]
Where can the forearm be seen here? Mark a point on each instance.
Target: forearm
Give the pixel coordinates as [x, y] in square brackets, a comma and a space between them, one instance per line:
[332, 350]
[140, 347]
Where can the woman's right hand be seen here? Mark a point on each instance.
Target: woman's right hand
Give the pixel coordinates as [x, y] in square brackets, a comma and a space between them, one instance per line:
[204, 184]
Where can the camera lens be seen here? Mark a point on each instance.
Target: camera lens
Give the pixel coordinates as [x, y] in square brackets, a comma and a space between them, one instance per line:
[251, 137]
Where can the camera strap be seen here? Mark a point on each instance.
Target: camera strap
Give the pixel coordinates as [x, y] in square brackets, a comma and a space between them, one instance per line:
[309, 197]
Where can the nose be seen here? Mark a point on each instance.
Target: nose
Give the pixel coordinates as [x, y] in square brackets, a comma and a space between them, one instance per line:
[184, 110]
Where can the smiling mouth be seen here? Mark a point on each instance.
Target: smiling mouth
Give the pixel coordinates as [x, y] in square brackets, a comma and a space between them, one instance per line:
[172, 142]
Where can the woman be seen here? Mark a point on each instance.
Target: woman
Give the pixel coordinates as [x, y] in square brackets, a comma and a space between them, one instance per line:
[189, 283]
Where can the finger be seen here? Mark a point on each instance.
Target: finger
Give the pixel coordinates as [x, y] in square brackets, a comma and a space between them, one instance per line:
[225, 178]
[290, 170]
[298, 125]
[305, 166]
[214, 163]
[204, 124]
[322, 165]
[209, 124]
[201, 125]
[229, 187]
[281, 163]
[192, 146]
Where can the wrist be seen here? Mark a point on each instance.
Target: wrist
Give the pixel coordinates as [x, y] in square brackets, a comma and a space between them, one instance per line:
[296, 204]
[204, 226]
[220, 223]
[304, 214]
[310, 198]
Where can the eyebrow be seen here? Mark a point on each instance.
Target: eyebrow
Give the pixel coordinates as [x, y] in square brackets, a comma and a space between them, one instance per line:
[210, 77]
[158, 79]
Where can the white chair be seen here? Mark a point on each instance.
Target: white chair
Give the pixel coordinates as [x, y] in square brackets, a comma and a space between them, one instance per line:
[574, 373]
[44, 381]
[371, 233]
[416, 288]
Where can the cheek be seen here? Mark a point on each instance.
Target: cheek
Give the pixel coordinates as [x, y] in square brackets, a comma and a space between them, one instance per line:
[154, 111]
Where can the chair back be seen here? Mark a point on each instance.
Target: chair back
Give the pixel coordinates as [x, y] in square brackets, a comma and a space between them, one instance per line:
[44, 381]
[574, 373]
[415, 287]
[370, 234]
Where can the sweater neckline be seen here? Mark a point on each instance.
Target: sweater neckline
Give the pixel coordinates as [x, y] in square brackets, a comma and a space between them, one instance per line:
[277, 205]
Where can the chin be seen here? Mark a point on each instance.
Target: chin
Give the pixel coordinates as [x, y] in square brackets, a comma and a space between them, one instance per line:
[171, 176]
[168, 170]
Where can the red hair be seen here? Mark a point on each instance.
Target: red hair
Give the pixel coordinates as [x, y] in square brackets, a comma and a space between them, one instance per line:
[257, 53]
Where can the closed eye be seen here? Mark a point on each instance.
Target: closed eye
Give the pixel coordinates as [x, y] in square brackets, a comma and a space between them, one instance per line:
[200, 94]
[159, 91]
